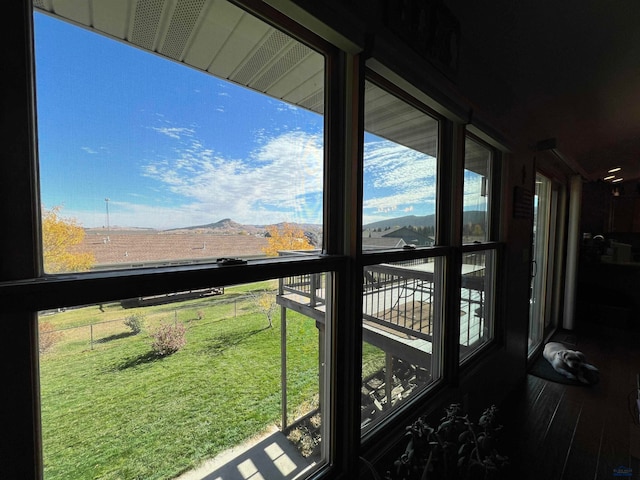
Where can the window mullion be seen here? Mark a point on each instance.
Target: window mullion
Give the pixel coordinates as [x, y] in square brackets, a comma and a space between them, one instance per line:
[19, 260]
[343, 223]
[451, 168]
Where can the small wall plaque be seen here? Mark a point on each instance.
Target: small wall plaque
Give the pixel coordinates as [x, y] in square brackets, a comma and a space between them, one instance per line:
[522, 203]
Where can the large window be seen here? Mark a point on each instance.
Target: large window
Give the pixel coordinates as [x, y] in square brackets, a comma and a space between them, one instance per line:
[402, 299]
[197, 139]
[158, 164]
[478, 270]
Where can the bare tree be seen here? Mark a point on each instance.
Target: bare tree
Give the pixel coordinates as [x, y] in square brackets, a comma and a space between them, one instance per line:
[266, 303]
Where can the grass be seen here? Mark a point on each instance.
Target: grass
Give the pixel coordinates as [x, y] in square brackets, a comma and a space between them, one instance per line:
[111, 409]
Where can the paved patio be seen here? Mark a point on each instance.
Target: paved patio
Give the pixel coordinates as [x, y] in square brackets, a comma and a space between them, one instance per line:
[272, 457]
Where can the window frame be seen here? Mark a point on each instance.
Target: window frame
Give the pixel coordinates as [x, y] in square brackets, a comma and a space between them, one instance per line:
[442, 248]
[491, 243]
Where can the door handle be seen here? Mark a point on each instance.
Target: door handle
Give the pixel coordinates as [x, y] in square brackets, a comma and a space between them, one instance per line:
[534, 268]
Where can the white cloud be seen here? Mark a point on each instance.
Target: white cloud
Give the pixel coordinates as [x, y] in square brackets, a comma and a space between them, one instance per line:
[174, 132]
[397, 177]
[281, 180]
[89, 150]
[274, 184]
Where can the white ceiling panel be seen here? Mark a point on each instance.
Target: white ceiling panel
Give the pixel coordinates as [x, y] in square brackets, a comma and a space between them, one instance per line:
[307, 87]
[76, 10]
[239, 46]
[184, 17]
[112, 17]
[147, 17]
[269, 51]
[218, 24]
[394, 119]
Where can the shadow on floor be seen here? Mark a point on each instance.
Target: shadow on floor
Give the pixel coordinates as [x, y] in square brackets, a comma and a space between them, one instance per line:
[272, 458]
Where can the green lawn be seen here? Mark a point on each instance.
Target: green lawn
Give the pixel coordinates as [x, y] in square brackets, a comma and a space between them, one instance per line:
[113, 410]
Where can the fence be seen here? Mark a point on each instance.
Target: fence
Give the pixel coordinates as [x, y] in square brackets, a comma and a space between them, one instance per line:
[93, 333]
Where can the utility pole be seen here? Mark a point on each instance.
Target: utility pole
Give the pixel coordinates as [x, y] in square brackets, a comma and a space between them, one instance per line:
[106, 201]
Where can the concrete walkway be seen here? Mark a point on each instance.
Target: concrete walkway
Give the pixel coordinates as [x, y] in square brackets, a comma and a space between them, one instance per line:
[271, 457]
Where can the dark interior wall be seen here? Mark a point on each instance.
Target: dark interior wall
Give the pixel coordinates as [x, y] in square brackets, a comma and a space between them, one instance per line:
[596, 205]
[518, 256]
[611, 209]
[625, 207]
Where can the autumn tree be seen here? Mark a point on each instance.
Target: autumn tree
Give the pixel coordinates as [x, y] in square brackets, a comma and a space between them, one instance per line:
[60, 240]
[266, 303]
[285, 237]
[478, 231]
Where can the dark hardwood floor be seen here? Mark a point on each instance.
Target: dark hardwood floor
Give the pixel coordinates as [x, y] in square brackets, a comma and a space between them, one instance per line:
[565, 432]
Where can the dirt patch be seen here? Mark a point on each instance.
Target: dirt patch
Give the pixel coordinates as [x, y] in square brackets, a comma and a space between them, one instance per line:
[306, 436]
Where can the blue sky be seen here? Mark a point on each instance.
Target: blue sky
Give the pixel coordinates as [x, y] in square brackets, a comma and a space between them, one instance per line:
[170, 146]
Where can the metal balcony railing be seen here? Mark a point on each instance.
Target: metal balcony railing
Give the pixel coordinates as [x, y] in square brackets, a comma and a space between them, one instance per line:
[401, 298]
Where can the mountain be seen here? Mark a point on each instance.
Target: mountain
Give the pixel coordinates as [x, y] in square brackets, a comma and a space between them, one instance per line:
[226, 226]
[471, 216]
[413, 220]
[474, 217]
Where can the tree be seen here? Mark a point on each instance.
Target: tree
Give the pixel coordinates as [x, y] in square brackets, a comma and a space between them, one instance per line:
[478, 231]
[285, 237]
[266, 303]
[60, 239]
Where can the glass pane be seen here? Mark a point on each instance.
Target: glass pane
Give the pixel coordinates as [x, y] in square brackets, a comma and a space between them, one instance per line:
[477, 188]
[476, 301]
[220, 382]
[152, 157]
[402, 334]
[541, 228]
[400, 167]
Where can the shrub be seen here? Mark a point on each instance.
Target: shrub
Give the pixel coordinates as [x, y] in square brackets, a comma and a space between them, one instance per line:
[47, 337]
[454, 449]
[168, 339]
[135, 322]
